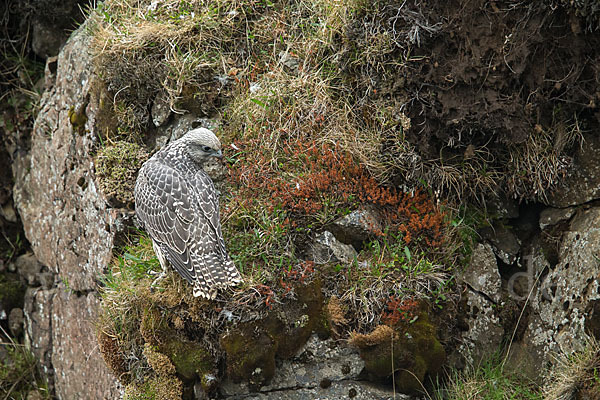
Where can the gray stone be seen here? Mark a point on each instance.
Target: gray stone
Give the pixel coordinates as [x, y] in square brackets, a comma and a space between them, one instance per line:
[552, 216]
[63, 222]
[482, 273]
[359, 390]
[505, 243]
[323, 369]
[582, 184]
[326, 248]
[46, 39]
[16, 321]
[357, 227]
[75, 354]
[161, 109]
[38, 328]
[565, 307]
[29, 268]
[485, 332]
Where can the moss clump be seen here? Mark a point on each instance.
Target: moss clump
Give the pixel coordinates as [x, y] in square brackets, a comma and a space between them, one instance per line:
[158, 361]
[250, 354]
[156, 388]
[411, 353]
[78, 119]
[116, 170]
[190, 359]
[252, 347]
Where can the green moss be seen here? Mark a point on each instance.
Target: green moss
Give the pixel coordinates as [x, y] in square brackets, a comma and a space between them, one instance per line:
[250, 354]
[116, 170]
[191, 359]
[412, 355]
[155, 388]
[78, 119]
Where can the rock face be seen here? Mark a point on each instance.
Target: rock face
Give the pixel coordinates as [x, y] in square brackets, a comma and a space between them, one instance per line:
[69, 227]
[321, 370]
[548, 303]
[566, 306]
[483, 333]
[583, 183]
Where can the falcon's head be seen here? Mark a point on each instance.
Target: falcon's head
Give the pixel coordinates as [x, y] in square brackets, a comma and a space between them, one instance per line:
[202, 144]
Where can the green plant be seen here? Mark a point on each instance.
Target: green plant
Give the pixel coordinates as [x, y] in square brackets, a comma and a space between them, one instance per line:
[488, 381]
[19, 374]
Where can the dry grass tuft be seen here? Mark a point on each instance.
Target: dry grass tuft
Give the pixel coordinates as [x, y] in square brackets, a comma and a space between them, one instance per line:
[335, 312]
[541, 163]
[576, 375]
[381, 334]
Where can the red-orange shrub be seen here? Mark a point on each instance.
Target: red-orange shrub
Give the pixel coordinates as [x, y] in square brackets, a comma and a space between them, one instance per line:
[304, 178]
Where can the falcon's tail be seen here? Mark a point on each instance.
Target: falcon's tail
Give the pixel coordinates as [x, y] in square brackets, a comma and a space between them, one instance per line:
[212, 274]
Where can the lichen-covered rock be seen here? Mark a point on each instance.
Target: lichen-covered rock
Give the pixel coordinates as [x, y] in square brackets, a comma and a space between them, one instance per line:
[552, 216]
[357, 227]
[322, 369]
[565, 307]
[326, 248]
[483, 332]
[38, 328]
[505, 243]
[67, 222]
[64, 216]
[78, 366]
[482, 273]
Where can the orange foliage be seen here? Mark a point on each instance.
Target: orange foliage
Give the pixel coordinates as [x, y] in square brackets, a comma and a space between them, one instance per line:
[305, 177]
[399, 310]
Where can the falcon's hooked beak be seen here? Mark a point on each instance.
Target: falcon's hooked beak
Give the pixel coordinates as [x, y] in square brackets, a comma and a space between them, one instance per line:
[218, 154]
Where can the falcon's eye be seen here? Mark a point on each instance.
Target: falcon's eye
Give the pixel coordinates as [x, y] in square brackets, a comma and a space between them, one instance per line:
[206, 149]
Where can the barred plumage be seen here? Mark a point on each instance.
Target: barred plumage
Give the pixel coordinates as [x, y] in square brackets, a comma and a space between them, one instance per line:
[179, 207]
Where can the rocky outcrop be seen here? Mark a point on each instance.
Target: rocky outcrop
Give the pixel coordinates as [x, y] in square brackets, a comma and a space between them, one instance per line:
[565, 307]
[70, 230]
[547, 299]
[322, 369]
[483, 333]
[583, 181]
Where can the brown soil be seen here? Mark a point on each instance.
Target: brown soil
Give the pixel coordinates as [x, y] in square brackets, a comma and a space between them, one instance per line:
[494, 70]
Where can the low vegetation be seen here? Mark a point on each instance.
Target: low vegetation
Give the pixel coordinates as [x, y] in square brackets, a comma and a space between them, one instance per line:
[20, 378]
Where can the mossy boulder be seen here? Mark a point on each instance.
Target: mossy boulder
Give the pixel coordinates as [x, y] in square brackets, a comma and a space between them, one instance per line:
[250, 354]
[412, 352]
[190, 359]
[251, 348]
